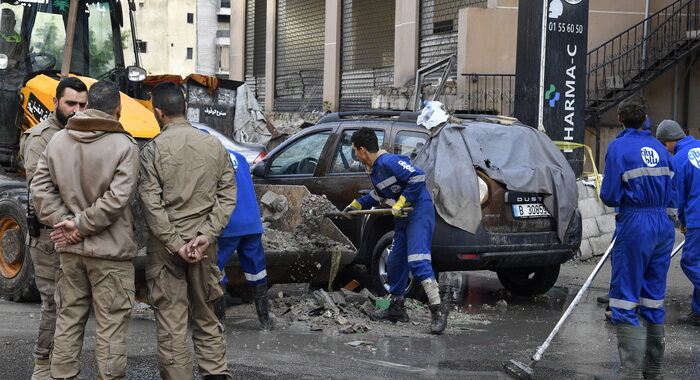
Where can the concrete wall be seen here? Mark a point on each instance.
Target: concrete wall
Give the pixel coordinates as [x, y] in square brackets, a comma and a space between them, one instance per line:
[598, 222]
[206, 57]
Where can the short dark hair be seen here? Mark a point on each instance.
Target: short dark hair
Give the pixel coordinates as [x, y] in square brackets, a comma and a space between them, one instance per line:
[72, 83]
[633, 111]
[104, 96]
[169, 98]
[365, 138]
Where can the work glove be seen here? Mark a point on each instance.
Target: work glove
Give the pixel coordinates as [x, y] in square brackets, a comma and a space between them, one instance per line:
[397, 209]
[354, 206]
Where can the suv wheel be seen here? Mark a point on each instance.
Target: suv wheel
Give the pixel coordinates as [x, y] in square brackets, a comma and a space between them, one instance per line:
[528, 281]
[379, 268]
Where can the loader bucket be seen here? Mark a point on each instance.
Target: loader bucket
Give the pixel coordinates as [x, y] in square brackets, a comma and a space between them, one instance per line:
[292, 254]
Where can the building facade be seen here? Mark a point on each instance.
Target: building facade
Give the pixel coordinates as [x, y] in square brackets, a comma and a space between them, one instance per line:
[304, 55]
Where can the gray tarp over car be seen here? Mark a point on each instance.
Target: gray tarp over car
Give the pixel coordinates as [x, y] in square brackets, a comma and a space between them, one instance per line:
[522, 158]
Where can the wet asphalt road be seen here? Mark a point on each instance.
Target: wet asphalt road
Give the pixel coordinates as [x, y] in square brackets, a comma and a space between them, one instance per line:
[585, 347]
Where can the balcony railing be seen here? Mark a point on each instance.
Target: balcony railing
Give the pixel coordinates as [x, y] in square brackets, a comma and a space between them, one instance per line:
[490, 94]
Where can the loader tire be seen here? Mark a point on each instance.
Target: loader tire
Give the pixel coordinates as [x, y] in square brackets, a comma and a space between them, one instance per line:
[16, 269]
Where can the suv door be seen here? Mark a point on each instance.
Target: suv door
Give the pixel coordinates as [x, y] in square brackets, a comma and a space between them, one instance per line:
[344, 176]
[297, 161]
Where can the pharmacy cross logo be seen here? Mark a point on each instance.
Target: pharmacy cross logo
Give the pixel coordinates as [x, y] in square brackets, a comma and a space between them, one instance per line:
[650, 157]
[694, 157]
[553, 99]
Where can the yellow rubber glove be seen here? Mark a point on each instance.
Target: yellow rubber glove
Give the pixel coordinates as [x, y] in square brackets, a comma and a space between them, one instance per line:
[396, 210]
[354, 206]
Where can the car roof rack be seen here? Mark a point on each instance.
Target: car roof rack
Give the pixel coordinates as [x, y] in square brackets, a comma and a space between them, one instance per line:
[405, 116]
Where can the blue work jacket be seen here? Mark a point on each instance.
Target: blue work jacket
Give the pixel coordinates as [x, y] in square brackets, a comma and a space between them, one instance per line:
[392, 176]
[686, 165]
[638, 172]
[245, 219]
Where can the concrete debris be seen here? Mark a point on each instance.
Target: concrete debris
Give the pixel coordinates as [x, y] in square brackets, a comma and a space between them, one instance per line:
[347, 312]
[502, 305]
[307, 235]
[142, 311]
[273, 206]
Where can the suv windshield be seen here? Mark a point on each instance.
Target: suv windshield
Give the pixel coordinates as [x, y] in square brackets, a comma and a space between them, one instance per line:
[33, 33]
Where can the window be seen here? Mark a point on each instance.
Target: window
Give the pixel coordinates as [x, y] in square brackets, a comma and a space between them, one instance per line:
[47, 40]
[101, 48]
[408, 143]
[190, 18]
[141, 4]
[142, 46]
[189, 53]
[301, 157]
[225, 4]
[344, 160]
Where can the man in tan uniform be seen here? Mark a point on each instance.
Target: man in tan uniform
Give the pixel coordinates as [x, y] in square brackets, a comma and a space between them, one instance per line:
[83, 187]
[188, 191]
[71, 96]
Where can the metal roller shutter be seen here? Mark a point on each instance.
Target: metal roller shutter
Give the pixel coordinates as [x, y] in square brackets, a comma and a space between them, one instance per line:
[438, 30]
[367, 51]
[299, 66]
[256, 15]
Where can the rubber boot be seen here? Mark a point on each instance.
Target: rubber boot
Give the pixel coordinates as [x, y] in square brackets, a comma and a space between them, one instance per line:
[261, 306]
[216, 377]
[654, 357]
[396, 312]
[439, 315]
[220, 308]
[603, 299]
[42, 369]
[631, 345]
[690, 319]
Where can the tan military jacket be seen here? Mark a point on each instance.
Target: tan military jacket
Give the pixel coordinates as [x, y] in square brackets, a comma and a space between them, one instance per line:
[90, 171]
[187, 186]
[34, 141]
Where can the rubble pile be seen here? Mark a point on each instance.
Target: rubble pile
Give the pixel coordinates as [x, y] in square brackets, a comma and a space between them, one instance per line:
[347, 312]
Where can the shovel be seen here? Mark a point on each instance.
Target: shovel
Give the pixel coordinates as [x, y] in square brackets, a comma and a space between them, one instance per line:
[374, 211]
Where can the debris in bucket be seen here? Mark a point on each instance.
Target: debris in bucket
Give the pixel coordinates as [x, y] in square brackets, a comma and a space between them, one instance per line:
[306, 236]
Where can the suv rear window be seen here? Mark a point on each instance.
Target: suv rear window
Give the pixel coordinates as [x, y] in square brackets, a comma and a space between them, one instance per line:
[344, 161]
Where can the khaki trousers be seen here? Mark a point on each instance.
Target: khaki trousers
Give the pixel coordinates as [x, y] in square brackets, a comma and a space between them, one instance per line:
[110, 286]
[182, 293]
[46, 262]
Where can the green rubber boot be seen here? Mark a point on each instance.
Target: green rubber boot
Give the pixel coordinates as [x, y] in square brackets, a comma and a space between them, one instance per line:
[654, 357]
[631, 345]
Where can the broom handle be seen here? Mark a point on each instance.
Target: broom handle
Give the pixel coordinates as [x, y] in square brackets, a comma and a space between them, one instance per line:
[677, 248]
[538, 355]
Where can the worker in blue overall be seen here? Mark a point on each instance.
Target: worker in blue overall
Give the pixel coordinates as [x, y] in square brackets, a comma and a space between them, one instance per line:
[396, 179]
[243, 234]
[637, 180]
[686, 165]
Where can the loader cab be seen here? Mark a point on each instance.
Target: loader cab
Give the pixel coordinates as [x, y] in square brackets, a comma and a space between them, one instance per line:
[32, 42]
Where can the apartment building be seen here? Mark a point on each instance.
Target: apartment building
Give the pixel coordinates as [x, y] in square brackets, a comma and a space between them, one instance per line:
[182, 36]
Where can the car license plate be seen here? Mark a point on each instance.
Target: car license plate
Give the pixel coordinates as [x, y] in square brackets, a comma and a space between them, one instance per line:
[530, 210]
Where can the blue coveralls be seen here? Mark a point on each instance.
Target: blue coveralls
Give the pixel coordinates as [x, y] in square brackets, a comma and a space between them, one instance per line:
[392, 176]
[244, 230]
[686, 164]
[638, 173]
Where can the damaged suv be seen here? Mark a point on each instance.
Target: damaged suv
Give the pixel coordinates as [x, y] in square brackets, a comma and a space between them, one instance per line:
[516, 236]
